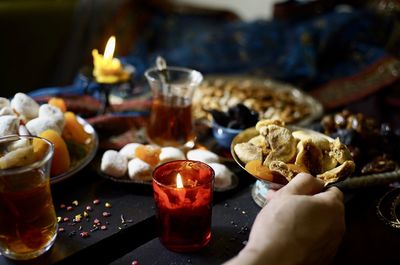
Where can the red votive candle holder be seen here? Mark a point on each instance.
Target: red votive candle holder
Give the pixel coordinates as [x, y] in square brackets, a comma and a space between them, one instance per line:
[183, 192]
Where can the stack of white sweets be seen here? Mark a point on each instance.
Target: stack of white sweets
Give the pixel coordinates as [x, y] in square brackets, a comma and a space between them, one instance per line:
[126, 161]
[23, 116]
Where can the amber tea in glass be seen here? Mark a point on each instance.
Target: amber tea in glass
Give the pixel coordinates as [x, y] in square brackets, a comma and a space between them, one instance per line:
[28, 223]
[170, 122]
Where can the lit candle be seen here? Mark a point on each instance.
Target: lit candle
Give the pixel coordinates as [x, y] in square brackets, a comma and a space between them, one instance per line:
[108, 69]
[183, 196]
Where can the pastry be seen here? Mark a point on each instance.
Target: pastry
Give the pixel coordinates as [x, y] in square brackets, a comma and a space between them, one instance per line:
[223, 176]
[203, 156]
[25, 106]
[129, 150]
[139, 170]
[114, 164]
[38, 125]
[53, 113]
[8, 125]
[170, 154]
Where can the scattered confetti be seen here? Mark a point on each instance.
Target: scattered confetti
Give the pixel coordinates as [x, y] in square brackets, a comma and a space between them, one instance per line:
[75, 203]
[96, 201]
[107, 205]
[61, 229]
[84, 234]
[106, 214]
[70, 208]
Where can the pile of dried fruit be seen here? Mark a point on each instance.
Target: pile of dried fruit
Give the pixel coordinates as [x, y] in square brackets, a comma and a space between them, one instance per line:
[237, 117]
[373, 146]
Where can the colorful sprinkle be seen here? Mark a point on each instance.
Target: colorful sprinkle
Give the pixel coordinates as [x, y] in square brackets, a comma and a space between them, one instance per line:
[84, 234]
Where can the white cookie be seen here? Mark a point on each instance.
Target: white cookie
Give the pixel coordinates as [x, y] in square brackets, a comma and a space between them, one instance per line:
[8, 125]
[39, 125]
[139, 170]
[114, 164]
[170, 154]
[7, 111]
[129, 150]
[4, 102]
[25, 106]
[53, 113]
[223, 176]
[203, 156]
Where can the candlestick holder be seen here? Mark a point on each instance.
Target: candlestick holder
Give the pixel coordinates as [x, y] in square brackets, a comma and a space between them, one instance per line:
[183, 192]
[121, 89]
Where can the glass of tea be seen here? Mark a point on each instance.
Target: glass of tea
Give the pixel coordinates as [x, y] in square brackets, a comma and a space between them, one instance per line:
[28, 222]
[183, 192]
[170, 122]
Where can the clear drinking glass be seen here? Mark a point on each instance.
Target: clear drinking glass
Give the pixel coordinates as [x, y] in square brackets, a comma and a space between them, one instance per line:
[171, 122]
[28, 222]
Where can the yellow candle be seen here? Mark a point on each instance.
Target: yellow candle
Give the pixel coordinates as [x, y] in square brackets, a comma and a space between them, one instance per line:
[106, 68]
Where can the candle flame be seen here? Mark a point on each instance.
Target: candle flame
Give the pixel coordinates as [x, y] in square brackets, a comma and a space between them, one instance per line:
[110, 47]
[179, 183]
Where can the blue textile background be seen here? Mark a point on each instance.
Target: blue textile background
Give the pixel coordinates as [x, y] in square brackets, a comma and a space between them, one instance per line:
[308, 52]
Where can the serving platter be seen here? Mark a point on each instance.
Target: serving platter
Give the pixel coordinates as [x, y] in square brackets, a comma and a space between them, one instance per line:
[270, 98]
[78, 164]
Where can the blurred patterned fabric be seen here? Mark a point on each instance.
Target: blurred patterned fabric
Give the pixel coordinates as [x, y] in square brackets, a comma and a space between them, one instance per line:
[309, 52]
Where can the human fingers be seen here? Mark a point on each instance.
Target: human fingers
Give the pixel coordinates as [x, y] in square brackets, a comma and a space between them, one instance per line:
[303, 184]
[332, 193]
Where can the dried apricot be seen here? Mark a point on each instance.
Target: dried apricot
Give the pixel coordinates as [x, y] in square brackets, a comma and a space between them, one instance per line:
[73, 130]
[256, 168]
[61, 159]
[58, 102]
[149, 154]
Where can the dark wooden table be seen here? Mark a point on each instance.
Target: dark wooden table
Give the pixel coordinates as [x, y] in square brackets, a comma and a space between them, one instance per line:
[367, 239]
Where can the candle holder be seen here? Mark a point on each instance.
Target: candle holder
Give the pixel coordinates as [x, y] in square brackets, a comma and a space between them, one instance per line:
[121, 89]
[183, 192]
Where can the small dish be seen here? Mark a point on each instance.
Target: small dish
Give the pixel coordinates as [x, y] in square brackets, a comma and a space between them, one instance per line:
[223, 135]
[262, 187]
[79, 164]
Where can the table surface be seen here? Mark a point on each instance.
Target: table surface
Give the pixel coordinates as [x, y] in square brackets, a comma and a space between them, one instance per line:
[367, 239]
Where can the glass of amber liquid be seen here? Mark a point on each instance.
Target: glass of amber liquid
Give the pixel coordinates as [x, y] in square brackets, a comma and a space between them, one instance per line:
[28, 222]
[170, 122]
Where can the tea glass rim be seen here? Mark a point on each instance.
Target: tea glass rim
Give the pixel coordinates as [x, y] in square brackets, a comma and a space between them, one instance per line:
[36, 164]
[211, 179]
[198, 75]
